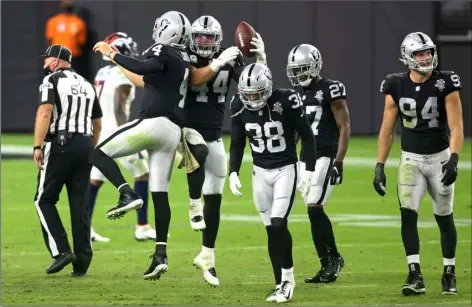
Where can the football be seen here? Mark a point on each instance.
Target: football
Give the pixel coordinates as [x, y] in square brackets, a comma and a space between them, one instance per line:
[243, 35]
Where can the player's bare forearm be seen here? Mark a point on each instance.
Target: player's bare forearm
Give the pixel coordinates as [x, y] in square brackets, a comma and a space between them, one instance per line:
[97, 130]
[387, 131]
[455, 121]
[200, 76]
[43, 119]
[136, 79]
[341, 115]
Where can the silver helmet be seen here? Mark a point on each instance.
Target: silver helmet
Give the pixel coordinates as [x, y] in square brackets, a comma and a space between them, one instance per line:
[303, 64]
[206, 36]
[413, 44]
[255, 86]
[172, 29]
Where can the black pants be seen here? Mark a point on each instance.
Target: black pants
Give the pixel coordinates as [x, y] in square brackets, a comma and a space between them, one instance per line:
[68, 165]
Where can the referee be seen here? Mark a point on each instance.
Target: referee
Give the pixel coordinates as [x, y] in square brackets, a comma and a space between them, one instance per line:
[68, 121]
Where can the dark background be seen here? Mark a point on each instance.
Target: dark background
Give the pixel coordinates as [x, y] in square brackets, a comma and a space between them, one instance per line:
[359, 42]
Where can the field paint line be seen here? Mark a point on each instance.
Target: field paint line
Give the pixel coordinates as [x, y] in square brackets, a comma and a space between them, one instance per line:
[355, 161]
[323, 286]
[246, 248]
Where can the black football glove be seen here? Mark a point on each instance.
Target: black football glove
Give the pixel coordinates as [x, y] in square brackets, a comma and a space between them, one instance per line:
[449, 169]
[380, 181]
[336, 173]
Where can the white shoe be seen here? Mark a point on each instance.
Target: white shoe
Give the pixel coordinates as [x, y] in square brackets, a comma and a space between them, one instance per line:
[144, 232]
[272, 296]
[286, 292]
[97, 238]
[206, 263]
[197, 222]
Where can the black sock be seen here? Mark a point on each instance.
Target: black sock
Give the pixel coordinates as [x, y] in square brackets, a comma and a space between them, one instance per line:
[195, 183]
[211, 214]
[197, 178]
[162, 215]
[448, 235]
[284, 245]
[274, 256]
[410, 237]
[316, 221]
[109, 169]
[142, 188]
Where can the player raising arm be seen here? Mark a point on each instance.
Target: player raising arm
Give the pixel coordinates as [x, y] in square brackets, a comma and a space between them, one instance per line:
[428, 104]
[271, 119]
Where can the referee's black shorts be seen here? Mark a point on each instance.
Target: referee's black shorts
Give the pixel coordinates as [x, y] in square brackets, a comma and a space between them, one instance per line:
[68, 164]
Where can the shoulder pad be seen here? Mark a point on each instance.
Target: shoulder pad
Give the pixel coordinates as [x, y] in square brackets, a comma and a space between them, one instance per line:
[155, 50]
[387, 84]
[288, 97]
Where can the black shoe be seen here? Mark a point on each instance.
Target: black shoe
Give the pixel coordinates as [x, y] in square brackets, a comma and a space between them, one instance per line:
[448, 282]
[336, 264]
[60, 262]
[77, 274]
[157, 268]
[127, 202]
[414, 284]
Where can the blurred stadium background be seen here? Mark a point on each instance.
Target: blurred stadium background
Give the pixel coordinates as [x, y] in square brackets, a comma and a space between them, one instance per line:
[360, 44]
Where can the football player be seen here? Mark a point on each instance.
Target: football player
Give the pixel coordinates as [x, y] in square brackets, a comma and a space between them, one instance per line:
[429, 106]
[324, 101]
[116, 93]
[164, 74]
[204, 112]
[271, 119]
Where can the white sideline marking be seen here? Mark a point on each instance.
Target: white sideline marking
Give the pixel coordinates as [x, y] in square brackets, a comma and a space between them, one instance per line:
[356, 161]
[245, 248]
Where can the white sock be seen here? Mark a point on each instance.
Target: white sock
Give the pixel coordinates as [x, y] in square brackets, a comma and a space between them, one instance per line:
[278, 286]
[195, 202]
[451, 261]
[413, 259]
[287, 274]
[207, 250]
[161, 243]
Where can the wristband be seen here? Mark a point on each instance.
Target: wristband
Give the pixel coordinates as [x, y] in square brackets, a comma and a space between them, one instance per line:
[36, 147]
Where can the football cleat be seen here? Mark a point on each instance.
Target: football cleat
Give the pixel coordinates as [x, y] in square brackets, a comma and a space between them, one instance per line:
[286, 292]
[206, 264]
[328, 273]
[197, 222]
[97, 238]
[448, 282]
[157, 268]
[126, 203]
[272, 296]
[414, 284]
[144, 232]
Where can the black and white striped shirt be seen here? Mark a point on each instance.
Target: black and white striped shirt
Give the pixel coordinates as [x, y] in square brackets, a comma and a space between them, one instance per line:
[74, 99]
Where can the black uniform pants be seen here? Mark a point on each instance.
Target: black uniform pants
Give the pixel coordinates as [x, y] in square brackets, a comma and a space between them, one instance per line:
[68, 165]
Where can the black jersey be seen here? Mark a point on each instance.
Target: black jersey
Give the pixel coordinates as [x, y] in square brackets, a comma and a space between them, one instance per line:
[422, 109]
[206, 104]
[271, 130]
[317, 101]
[166, 89]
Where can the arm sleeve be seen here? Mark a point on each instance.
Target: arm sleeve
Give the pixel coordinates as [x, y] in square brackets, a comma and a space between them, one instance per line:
[238, 68]
[308, 139]
[140, 67]
[46, 90]
[96, 109]
[238, 140]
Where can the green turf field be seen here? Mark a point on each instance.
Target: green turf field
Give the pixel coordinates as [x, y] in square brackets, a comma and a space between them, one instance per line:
[366, 227]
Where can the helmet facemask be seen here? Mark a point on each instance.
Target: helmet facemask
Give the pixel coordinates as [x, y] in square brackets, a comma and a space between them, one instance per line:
[205, 44]
[302, 73]
[423, 65]
[254, 98]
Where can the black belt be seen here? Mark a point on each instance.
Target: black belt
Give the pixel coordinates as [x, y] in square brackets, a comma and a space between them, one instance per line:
[63, 135]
